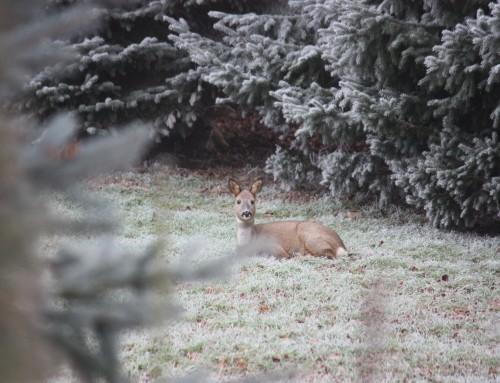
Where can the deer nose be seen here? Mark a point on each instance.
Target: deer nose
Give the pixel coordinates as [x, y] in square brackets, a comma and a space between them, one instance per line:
[246, 214]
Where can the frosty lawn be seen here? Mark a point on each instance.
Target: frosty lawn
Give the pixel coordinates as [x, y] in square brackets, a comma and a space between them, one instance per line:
[410, 304]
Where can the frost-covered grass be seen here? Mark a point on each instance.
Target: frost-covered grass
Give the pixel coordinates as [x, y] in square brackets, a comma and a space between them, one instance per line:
[410, 303]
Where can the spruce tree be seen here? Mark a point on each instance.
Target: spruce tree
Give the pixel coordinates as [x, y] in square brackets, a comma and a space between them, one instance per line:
[365, 94]
[128, 69]
[125, 72]
[457, 179]
[368, 92]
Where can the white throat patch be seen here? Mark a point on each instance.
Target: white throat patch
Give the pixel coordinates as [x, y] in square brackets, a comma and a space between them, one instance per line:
[244, 232]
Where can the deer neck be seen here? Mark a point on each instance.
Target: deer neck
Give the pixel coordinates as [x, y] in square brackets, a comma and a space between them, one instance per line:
[245, 232]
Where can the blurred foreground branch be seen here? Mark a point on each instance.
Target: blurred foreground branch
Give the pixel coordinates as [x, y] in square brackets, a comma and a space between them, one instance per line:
[79, 315]
[95, 293]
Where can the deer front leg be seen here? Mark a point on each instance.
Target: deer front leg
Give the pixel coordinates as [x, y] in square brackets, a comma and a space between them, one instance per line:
[276, 251]
[280, 253]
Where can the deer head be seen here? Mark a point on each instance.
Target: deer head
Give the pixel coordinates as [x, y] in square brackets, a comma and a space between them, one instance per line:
[244, 200]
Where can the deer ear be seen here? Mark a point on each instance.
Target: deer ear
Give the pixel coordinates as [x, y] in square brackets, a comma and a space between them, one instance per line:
[234, 187]
[256, 186]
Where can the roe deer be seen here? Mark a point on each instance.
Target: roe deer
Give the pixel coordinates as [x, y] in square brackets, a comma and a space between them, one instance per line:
[288, 237]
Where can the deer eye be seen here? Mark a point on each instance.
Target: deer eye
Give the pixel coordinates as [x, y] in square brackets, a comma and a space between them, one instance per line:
[238, 202]
[252, 202]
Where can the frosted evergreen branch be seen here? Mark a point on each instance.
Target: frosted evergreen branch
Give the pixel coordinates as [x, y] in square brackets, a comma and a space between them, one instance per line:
[44, 165]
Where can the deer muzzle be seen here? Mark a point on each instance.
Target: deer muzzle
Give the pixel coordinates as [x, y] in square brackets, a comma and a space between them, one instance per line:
[246, 214]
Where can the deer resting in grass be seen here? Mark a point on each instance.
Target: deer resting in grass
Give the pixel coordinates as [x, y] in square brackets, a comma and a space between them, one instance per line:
[287, 237]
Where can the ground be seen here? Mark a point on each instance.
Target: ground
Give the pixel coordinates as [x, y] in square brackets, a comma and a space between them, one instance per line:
[410, 303]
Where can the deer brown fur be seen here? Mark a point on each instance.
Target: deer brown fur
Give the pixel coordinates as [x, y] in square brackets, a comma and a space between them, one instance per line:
[287, 237]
